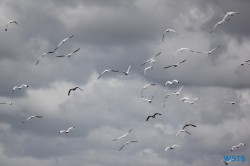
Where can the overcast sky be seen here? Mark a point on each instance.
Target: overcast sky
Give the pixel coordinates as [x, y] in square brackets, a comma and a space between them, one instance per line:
[114, 34]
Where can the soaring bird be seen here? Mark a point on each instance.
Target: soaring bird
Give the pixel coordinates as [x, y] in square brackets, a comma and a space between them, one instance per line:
[171, 82]
[106, 70]
[32, 116]
[123, 136]
[69, 55]
[237, 146]
[147, 68]
[175, 65]
[126, 143]
[63, 41]
[171, 147]
[186, 125]
[231, 102]
[126, 72]
[149, 100]
[152, 116]
[74, 89]
[167, 31]
[19, 87]
[211, 51]
[66, 131]
[182, 49]
[151, 60]
[182, 131]
[10, 22]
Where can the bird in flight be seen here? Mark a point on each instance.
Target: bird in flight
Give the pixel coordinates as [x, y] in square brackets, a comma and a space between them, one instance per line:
[123, 136]
[182, 130]
[106, 70]
[231, 102]
[19, 87]
[175, 65]
[237, 146]
[149, 100]
[10, 22]
[66, 131]
[171, 82]
[31, 117]
[73, 89]
[171, 147]
[229, 14]
[186, 125]
[167, 31]
[152, 116]
[211, 51]
[63, 41]
[151, 60]
[70, 54]
[126, 143]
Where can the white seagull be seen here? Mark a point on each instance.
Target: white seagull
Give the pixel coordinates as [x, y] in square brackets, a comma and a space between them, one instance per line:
[237, 146]
[171, 147]
[151, 60]
[106, 70]
[69, 55]
[182, 130]
[175, 65]
[10, 22]
[147, 68]
[231, 102]
[166, 31]
[123, 136]
[32, 116]
[66, 131]
[19, 87]
[63, 41]
[126, 143]
[171, 82]
[211, 51]
[149, 100]
[182, 49]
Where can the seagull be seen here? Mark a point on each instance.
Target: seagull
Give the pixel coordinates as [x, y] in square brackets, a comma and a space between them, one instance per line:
[145, 87]
[123, 136]
[10, 22]
[211, 51]
[149, 100]
[69, 55]
[175, 65]
[147, 68]
[63, 41]
[186, 125]
[171, 147]
[74, 89]
[107, 70]
[229, 14]
[191, 102]
[171, 82]
[182, 49]
[19, 87]
[126, 73]
[218, 23]
[182, 131]
[174, 93]
[32, 116]
[166, 31]
[237, 146]
[126, 143]
[66, 131]
[152, 116]
[151, 60]
[231, 102]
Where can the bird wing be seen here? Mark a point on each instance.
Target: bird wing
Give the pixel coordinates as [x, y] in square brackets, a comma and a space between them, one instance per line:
[214, 27]
[69, 91]
[176, 146]
[60, 56]
[79, 88]
[150, 116]
[39, 116]
[70, 128]
[178, 132]
[168, 66]
[187, 132]
[121, 147]
[153, 96]
[145, 99]
[214, 48]
[128, 69]
[182, 61]
[76, 50]
[185, 126]
[167, 148]
[163, 36]
[179, 90]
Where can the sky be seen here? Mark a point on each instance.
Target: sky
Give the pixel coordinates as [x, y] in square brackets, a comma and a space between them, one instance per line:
[113, 34]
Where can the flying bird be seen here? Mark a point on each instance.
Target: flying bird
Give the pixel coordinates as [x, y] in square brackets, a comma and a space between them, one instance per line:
[151, 60]
[32, 116]
[149, 100]
[175, 65]
[70, 54]
[63, 41]
[186, 125]
[10, 22]
[237, 146]
[211, 51]
[229, 14]
[126, 143]
[74, 89]
[182, 49]
[66, 131]
[171, 82]
[19, 87]
[123, 136]
[171, 147]
[167, 31]
[152, 116]
[182, 131]
[107, 70]
[147, 68]
[231, 102]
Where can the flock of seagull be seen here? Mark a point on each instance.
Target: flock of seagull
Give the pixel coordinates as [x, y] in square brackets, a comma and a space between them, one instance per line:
[226, 18]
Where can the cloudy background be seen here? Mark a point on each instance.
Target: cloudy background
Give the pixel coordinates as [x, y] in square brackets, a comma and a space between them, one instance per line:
[114, 34]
